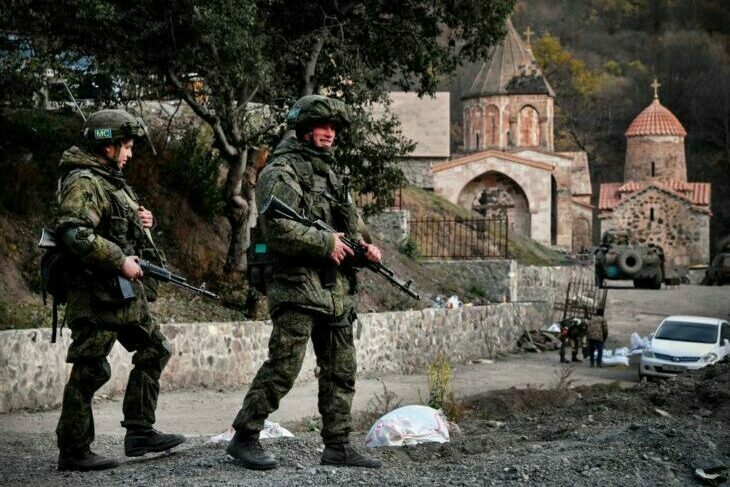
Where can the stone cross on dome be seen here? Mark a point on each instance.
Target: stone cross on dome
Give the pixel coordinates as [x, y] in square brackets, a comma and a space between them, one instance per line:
[656, 86]
[528, 34]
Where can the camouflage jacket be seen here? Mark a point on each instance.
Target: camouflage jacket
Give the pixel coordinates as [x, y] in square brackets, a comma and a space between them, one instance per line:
[303, 179]
[99, 226]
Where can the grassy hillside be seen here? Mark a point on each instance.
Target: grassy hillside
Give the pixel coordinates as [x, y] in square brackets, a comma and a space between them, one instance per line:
[181, 188]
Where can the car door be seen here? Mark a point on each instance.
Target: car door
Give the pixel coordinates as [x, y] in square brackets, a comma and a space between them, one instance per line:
[724, 339]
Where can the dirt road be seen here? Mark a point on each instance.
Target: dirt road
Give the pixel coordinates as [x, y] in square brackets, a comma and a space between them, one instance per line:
[532, 447]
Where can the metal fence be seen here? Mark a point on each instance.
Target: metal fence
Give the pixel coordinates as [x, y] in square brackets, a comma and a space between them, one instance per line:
[582, 298]
[461, 238]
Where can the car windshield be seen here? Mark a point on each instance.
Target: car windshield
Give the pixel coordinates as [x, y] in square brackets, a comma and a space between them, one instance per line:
[687, 332]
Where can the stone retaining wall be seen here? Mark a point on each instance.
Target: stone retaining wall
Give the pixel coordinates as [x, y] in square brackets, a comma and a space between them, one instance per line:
[391, 226]
[33, 371]
[508, 281]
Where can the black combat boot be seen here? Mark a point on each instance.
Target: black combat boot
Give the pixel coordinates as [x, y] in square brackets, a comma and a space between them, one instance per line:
[84, 461]
[575, 358]
[249, 453]
[344, 455]
[138, 442]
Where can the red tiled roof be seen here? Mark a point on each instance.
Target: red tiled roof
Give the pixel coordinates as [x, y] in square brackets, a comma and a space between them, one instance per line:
[655, 120]
[696, 193]
[700, 193]
[674, 185]
[630, 187]
[609, 196]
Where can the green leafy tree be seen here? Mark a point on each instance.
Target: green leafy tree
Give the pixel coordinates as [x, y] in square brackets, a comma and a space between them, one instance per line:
[255, 55]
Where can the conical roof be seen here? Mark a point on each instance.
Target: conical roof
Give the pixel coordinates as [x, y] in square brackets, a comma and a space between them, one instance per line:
[655, 120]
[510, 68]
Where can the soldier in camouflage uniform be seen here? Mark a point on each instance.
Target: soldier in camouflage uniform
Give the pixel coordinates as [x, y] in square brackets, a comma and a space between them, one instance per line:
[304, 303]
[103, 230]
[572, 331]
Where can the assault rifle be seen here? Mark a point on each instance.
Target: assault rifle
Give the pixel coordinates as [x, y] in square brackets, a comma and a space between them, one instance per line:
[48, 241]
[273, 207]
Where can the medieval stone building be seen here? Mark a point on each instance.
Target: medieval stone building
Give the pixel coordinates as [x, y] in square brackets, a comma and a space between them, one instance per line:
[509, 166]
[655, 202]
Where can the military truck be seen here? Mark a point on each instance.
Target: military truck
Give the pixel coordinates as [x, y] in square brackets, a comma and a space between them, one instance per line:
[619, 258]
[718, 273]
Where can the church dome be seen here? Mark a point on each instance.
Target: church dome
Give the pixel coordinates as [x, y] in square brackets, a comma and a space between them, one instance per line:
[655, 120]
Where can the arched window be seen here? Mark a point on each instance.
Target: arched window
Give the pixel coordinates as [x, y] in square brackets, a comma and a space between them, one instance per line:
[653, 169]
[529, 127]
[651, 211]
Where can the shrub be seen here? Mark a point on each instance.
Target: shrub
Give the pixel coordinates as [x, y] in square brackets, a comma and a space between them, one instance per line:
[192, 169]
[441, 393]
[410, 249]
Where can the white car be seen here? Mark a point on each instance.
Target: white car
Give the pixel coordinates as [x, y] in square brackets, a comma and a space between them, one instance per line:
[683, 343]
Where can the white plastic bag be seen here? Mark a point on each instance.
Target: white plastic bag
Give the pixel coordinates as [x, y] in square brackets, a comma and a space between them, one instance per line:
[453, 302]
[409, 425]
[271, 430]
[554, 328]
[620, 356]
[639, 342]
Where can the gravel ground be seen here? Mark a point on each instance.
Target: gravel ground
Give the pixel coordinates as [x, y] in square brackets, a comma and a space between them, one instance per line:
[596, 434]
[593, 435]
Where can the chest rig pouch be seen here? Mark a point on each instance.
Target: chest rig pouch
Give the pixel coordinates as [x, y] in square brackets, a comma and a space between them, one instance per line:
[326, 198]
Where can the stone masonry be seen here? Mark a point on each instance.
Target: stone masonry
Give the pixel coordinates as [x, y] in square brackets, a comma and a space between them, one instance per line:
[33, 371]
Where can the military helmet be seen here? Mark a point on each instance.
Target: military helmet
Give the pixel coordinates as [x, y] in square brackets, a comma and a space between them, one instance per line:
[111, 126]
[312, 109]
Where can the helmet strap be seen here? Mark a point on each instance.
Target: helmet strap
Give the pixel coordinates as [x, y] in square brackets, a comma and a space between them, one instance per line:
[115, 157]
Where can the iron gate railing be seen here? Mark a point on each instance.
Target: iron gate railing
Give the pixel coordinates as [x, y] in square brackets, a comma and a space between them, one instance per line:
[461, 238]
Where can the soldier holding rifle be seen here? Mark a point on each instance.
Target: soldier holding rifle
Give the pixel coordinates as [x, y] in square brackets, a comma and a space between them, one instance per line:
[102, 230]
[312, 290]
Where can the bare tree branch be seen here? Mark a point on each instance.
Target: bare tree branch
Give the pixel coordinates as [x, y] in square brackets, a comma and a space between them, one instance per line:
[311, 65]
[205, 114]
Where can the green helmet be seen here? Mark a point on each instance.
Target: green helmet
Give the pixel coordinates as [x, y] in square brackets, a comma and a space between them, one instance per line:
[111, 126]
[312, 109]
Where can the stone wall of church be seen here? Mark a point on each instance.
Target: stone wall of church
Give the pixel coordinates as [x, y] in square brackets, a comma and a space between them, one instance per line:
[449, 183]
[518, 120]
[582, 234]
[654, 216]
[655, 157]
[418, 170]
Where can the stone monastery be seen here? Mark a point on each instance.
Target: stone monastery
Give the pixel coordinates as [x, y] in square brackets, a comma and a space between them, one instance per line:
[509, 166]
[655, 202]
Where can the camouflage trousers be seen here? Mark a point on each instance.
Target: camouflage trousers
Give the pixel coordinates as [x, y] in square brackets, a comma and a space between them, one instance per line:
[578, 344]
[335, 351]
[88, 351]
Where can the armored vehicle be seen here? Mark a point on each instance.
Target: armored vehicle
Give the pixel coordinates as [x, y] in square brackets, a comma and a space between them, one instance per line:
[719, 271]
[619, 258]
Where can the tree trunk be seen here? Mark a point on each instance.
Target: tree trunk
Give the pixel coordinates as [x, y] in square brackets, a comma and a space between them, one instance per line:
[238, 207]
